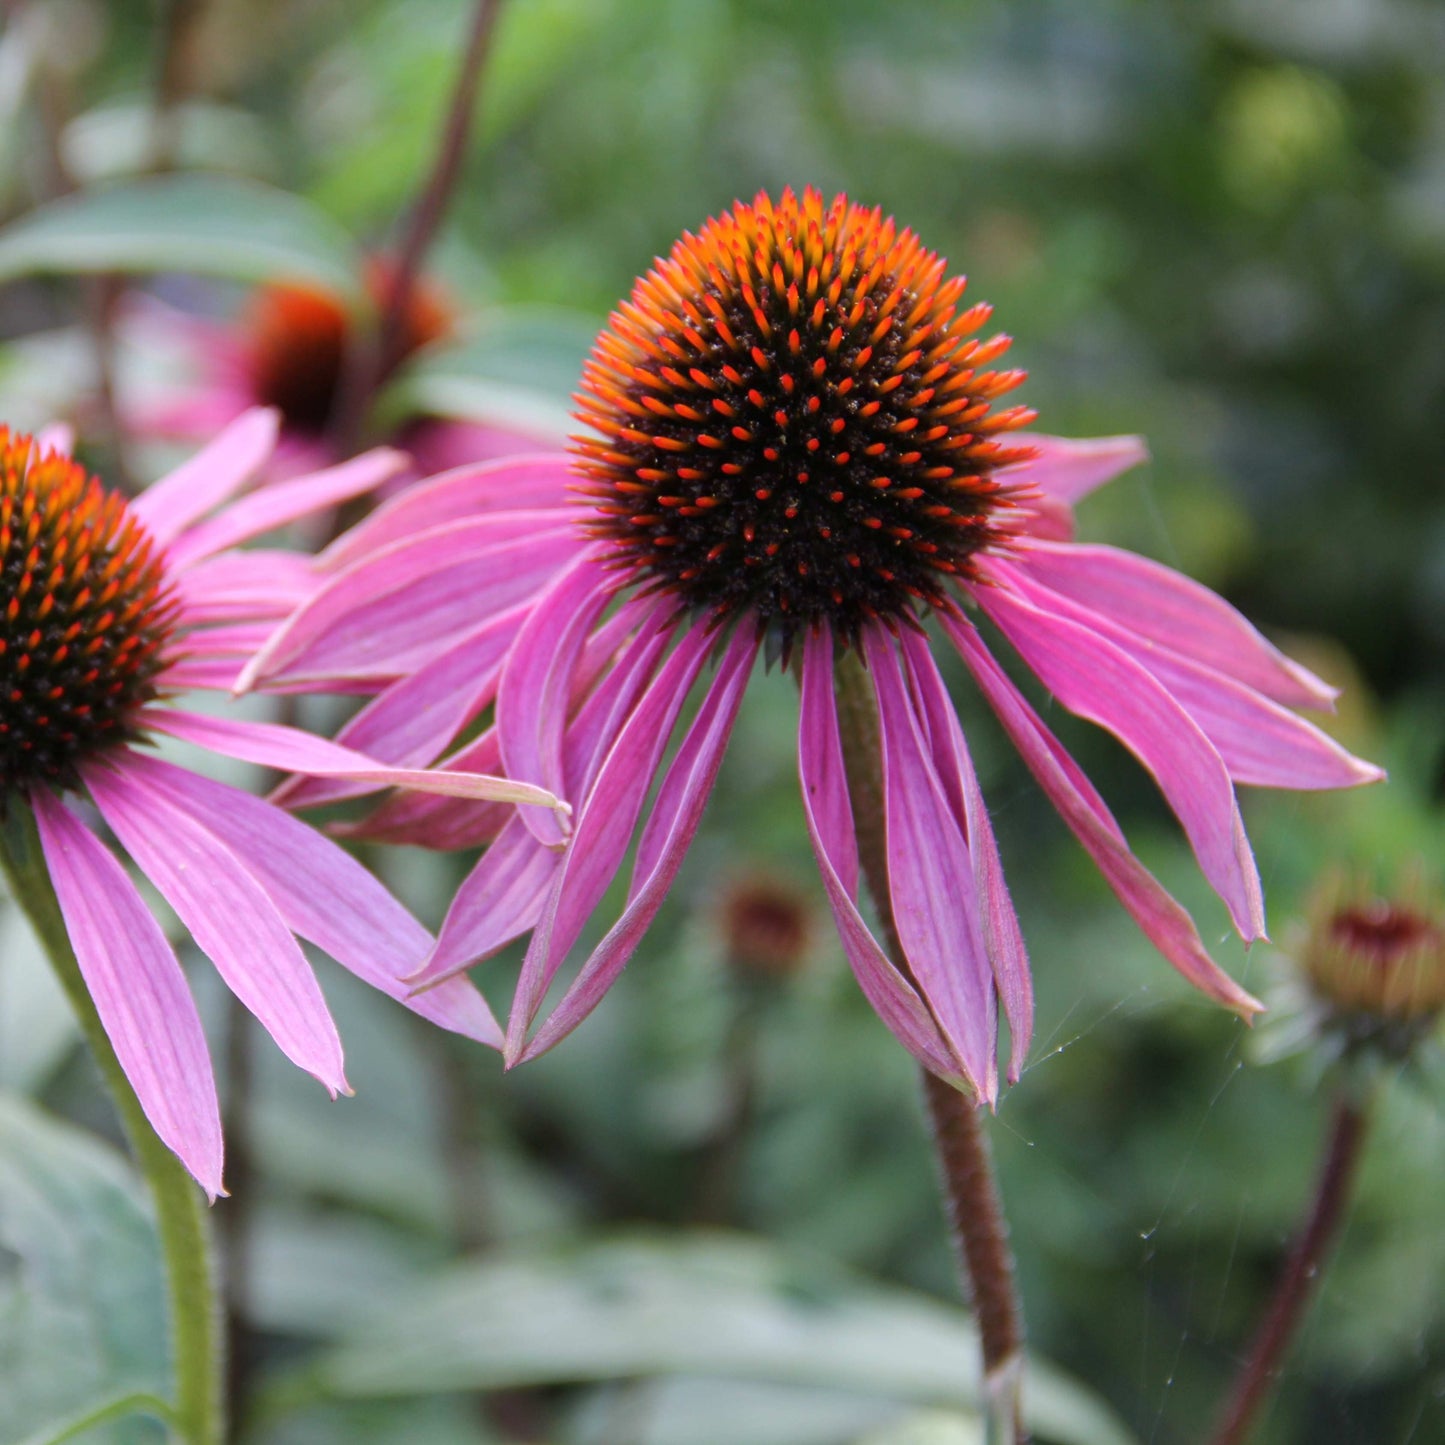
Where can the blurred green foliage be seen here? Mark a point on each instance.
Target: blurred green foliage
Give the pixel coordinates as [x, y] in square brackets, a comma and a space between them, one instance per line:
[1220, 225]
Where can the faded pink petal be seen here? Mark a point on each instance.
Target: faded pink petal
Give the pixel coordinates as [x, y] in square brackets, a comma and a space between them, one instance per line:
[1066, 469]
[931, 880]
[1166, 924]
[138, 989]
[229, 915]
[254, 584]
[1100, 682]
[324, 894]
[1166, 607]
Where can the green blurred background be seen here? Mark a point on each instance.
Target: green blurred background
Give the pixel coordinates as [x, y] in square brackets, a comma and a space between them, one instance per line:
[1218, 224]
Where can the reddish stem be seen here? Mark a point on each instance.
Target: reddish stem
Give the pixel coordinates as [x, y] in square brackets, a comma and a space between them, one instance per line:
[1272, 1339]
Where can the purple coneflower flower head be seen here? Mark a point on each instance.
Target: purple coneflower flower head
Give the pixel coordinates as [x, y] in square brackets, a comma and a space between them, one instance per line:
[110, 609]
[289, 348]
[795, 445]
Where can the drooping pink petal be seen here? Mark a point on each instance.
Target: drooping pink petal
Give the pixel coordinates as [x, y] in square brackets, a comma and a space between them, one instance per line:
[498, 901]
[228, 913]
[1162, 920]
[1102, 683]
[205, 481]
[1001, 930]
[325, 895]
[1169, 608]
[285, 502]
[396, 610]
[666, 836]
[829, 816]
[535, 694]
[1261, 742]
[138, 989]
[411, 723]
[254, 584]
[526, 483]
[931, 879]
[604, 824]
[288, 749]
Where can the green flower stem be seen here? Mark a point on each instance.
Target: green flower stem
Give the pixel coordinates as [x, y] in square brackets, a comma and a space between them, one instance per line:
[965, 1161]
[180, 1213]
[1333, 1188]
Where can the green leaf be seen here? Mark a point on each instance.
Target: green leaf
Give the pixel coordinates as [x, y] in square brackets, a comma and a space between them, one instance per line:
[132, 1402]
[82, 1302]
[209, 224]
[519, 370]
[700, 1305]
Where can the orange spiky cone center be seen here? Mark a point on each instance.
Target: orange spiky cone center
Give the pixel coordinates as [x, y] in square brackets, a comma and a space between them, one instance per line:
[86, 616]
[792, 416]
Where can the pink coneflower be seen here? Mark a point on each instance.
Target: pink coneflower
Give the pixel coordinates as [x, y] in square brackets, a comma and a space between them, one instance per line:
[111, 609]
[289, 348]
[794, 446]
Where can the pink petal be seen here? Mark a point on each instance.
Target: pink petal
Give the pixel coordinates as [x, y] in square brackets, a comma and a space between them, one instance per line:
[829, 815]
[288, 749]
[1162, 920]
[1102, 683]
[535, 695]
[1261, 743]
[138, 989]
[514, 484]
[499, 900]
[604, 825]
[57, 439]
[666, 836]
[324, 894]
[396, 610]
[228, 913]
[284, 502]
[1166, 607]
[1067, 469]
[1001, 930]
[205, 481]
[931, 879]
[253, 584]
[411, 723]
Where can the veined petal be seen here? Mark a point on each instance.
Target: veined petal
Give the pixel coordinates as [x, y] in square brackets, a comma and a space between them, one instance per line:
[1099, 681]
[324, 894]
[273, 745]
[397, 609]
[1261, 742]
[228, 913]
[216, 472]
[411, 723]
[513, 484]
[284, 502]
[138, 989]
[1166, 607]
[1162, 920]
[829, 816]
[931, 879]
[1001, 930]
[535, 694]
[604, 824]
[666, 836]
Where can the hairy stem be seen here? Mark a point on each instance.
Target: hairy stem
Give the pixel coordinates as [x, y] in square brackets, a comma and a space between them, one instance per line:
[426, 216]
[965, 1162]
[1267, 1350]
[180, 1215]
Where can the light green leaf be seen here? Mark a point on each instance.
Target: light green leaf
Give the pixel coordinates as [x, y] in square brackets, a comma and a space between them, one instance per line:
[210, 224]
[701, 1305]
[130, 1403]
[82, 1304]
[518, 370]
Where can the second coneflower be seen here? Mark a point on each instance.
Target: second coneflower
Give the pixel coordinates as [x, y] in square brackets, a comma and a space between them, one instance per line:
[794, 445]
